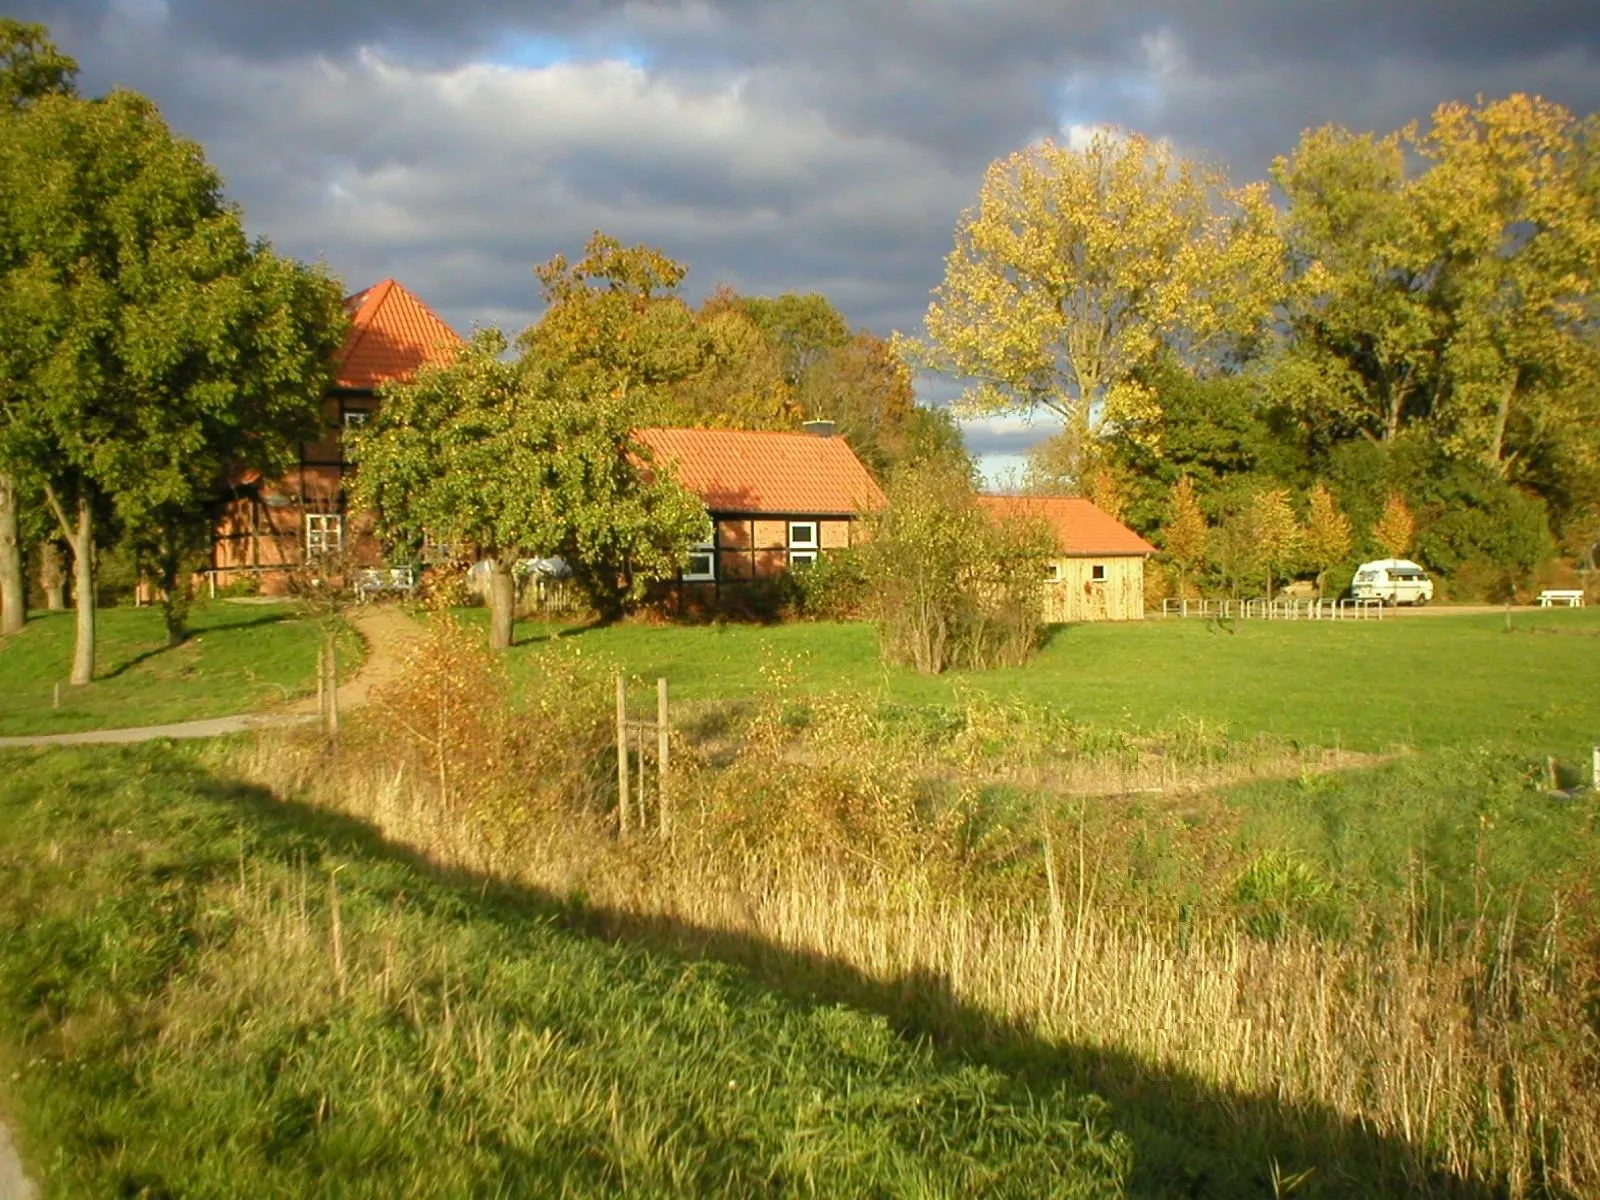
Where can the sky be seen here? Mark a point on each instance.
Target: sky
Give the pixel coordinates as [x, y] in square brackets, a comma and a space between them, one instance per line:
[811, 145]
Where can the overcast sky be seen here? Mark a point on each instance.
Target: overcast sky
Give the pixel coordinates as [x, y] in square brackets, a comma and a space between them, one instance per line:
[811, 145]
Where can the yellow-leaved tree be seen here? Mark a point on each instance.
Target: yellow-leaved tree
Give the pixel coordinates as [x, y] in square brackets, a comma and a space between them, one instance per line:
[1328, 536]
[1184, 534]
[1395, 528]
[1080, 265]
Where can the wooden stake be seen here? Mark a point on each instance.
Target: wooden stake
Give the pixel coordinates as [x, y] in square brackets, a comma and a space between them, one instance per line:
[661, 756]
[333, 694]
[322, 685]
[56, 703]
[622, 759]
[337, 931]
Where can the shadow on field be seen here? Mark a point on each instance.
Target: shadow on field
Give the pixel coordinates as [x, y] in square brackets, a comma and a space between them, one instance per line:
[1190, 1138]
[244, 622]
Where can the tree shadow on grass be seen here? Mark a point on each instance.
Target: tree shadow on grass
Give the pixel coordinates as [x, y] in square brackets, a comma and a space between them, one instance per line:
[144, 656]
[1190, 1138]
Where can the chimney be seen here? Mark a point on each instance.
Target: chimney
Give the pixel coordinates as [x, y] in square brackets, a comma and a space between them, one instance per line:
[818, 428]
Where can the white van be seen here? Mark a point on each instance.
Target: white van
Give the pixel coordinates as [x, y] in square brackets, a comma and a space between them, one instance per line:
[1393, 581]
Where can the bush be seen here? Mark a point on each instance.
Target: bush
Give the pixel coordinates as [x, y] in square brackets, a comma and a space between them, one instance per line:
[949, 587]
[835, 587]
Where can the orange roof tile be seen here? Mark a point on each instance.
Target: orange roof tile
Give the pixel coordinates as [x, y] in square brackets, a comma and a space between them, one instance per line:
[747, 471]
[392, 333]
[1079, 526]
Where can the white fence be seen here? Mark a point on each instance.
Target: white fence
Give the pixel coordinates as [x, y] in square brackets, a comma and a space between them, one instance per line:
[1275, 610]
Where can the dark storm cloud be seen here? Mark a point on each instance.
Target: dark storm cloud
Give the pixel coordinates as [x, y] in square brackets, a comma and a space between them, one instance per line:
[773, 145]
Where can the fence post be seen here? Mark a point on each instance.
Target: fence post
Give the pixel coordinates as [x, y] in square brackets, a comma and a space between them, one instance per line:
[622, 758]
[661, 755]
[1594, 770]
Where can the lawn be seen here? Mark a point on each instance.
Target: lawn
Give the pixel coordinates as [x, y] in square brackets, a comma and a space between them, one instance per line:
[239, 658]
[201, 987]
[1425, 682]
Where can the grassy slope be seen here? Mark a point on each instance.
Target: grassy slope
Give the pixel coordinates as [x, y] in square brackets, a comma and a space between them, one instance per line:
[178, 1026]
[1427, 682]
[238, 658]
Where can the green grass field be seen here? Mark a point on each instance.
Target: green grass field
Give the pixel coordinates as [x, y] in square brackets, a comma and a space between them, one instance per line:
[237, 659]
[1425, 682]
[188, 1009]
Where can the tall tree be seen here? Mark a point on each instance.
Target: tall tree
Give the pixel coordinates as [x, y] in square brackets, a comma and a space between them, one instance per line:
[1079, 267]
[30, 67]
[1328, 536]
[148, 340]
[1365, 312]
[1184, 536]
[614, 318]
[1505, 199]
[865, 388]
[519, 459]
[1275, 535]
[805, 329]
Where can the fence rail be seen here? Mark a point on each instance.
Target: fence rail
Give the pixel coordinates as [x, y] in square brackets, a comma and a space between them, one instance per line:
[1275, 610]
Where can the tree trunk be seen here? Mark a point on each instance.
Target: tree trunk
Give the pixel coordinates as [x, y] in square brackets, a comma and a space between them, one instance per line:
[83, 587]
[52, 575]
[1502, 416]
[13, 587]
[502, 600]
[174, 596]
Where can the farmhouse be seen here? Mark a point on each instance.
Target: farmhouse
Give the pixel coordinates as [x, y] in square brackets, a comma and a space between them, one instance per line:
[776, 500]
[269, 526]
[1098, 574]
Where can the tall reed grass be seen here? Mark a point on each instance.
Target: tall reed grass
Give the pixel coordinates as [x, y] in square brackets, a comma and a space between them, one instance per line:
[836, 835]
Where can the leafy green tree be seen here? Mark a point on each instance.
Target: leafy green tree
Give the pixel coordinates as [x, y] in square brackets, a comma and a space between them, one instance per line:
[865, 388]
[614, 318]
[1505, 202]
[740, 383]
[804, 328]
[1078, 268]
[150, 344]
[1365, 310]
[30, 67]
[518, 459]
[1328, 535]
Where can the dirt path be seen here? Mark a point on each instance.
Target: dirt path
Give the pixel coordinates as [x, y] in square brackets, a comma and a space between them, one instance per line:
[14, 1185]
[389, 634]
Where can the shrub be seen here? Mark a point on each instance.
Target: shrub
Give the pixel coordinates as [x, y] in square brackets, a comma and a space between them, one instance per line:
[835, 587]
[950, 588]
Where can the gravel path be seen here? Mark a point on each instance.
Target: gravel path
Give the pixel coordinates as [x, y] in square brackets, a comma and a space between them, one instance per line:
[389, 634]
[14, 1185]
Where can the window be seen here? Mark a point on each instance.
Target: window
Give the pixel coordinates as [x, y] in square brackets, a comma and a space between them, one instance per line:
[799, 559]
[1097, 573]
[701, 564]
[1052, 572]
[324, 534]
[802, 536]
[354, 418]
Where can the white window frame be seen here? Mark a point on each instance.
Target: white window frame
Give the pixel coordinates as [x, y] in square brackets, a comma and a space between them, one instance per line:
[1052, 572]
[708, 550]
[798, 558]
[324, 534]
[811, 543]
[1097, 572]
[355, 418]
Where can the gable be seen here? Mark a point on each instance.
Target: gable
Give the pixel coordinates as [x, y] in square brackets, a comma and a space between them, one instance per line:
[392, 334]
[756, 472]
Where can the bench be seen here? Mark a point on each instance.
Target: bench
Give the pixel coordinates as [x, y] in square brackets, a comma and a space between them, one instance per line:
[1571, 597]
[377, 581]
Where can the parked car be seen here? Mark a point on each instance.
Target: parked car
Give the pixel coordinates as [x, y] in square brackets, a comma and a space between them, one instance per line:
[1393, 581]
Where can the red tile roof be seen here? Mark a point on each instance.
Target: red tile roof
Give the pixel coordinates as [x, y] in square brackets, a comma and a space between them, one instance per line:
[746, 471]
[392, 333]
[1079, 526]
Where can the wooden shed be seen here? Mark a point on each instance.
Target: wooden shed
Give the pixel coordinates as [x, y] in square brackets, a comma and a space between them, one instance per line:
[1098, 574]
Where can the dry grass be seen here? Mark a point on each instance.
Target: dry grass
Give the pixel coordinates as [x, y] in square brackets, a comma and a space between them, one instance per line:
[833, 838]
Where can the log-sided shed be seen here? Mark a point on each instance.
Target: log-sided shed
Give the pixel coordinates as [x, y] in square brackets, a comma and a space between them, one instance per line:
[1098, 571]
